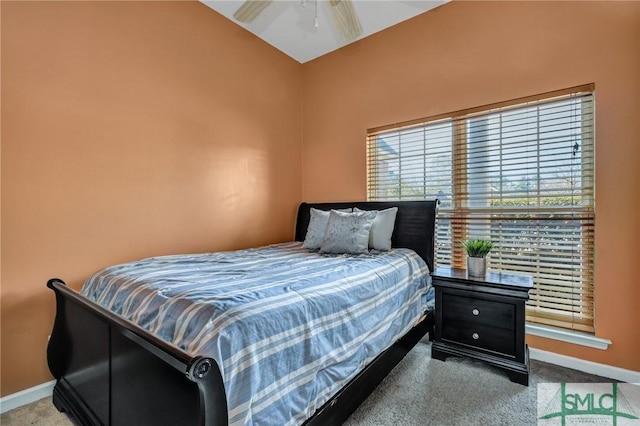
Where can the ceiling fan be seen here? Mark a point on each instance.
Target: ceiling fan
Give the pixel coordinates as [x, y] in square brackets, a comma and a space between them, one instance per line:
[345, 15]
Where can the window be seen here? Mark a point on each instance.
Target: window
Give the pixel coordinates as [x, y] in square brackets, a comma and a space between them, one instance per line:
[520, 173]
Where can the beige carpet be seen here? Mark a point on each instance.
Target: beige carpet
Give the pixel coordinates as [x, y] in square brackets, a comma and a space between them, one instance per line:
[418, 392]
[41, 413]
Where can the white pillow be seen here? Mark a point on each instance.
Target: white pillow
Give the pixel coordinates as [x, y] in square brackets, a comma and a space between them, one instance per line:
[382, 229]
[347, 233]
[317, 227]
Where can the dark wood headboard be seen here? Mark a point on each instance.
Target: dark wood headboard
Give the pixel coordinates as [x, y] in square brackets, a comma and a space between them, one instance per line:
[414, 228]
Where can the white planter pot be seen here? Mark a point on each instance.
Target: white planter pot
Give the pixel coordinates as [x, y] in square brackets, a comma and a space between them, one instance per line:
[476, 266]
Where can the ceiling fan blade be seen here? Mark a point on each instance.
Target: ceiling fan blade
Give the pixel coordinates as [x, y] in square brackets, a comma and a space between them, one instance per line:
[346, 18]
[250, 10]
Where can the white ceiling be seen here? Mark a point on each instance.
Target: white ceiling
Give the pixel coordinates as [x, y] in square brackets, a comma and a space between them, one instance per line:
[289, 26]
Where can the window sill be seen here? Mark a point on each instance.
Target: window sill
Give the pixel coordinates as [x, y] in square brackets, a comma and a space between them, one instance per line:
[575, 337]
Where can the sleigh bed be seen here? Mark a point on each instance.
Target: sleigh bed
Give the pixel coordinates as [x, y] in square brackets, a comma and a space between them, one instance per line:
[114, 368]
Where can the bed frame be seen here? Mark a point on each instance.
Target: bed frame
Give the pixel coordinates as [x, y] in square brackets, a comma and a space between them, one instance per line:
[112, 372]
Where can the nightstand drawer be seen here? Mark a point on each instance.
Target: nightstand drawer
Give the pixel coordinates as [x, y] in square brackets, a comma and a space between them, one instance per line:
[478, 311]
[481, 336]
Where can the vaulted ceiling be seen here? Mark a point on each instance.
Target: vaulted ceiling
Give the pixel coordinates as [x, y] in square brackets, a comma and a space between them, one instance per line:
[289, 25]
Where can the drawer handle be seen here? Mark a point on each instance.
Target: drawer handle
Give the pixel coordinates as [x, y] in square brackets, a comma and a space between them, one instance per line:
[475, 336]
[475, 312]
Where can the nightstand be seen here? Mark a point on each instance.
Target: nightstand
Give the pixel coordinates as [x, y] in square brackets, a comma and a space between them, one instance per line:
[483, 318]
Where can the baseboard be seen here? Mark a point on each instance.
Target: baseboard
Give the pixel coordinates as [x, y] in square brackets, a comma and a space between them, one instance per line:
[26, 396]
[590, 367]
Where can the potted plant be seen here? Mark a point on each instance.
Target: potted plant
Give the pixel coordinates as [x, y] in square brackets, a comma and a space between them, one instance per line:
[477, 251]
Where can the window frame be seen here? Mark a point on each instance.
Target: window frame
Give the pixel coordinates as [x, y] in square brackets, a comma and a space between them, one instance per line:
[585, 321]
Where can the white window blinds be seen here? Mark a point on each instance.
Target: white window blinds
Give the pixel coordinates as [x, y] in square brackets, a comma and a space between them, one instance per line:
[519, 173]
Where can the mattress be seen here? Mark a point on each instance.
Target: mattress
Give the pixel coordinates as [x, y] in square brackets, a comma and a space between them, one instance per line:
[288, 327]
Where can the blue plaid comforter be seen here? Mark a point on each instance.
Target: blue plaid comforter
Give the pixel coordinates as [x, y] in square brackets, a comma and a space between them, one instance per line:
[287, 326]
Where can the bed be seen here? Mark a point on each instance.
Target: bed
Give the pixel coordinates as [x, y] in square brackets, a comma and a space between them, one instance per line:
[116, 363]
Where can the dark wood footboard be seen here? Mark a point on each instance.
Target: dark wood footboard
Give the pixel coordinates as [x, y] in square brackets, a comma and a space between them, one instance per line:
[110, 371]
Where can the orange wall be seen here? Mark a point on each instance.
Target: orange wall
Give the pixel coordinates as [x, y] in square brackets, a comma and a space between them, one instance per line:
[468, 54]
[133, 129]
[138, 129]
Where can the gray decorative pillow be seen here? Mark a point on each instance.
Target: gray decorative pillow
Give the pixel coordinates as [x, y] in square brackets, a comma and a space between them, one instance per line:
[347, 233]
[382, 228]
[317, 227]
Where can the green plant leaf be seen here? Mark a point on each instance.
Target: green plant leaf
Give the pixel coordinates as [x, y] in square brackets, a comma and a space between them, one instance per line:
[477, 247]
